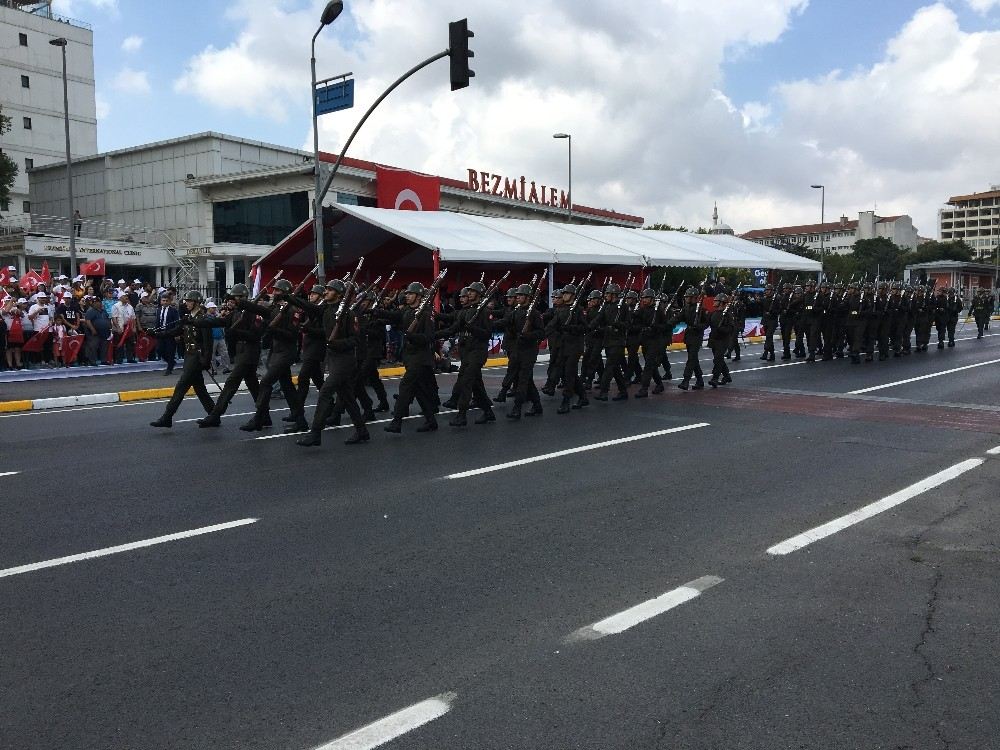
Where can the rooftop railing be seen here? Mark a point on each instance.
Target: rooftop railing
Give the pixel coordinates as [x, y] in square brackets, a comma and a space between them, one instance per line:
[44, 10]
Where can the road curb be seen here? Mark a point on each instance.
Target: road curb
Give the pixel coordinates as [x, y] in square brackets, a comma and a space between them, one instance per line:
[148, 394]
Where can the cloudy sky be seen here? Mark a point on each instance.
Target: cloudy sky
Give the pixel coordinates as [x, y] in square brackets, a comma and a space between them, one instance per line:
[672, 104]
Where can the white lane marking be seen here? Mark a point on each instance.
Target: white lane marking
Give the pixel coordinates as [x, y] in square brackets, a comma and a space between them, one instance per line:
[395, 725]
[124, 547]
[8, 473]
[649, 609]
[570, 451]
[990, 452]
[863, 514]
[345, 426]
[921, 377]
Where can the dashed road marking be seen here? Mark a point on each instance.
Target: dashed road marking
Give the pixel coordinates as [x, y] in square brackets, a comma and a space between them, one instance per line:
[395, 725]
[8, 473]
[921, 377]
[649, 609]
[345, 426]
[993, 451]
[124, 547]
[862, 514]
[570, 451]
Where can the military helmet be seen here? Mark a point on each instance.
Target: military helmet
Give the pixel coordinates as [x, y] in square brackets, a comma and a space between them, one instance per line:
[336, 285]
[896, 286]
[631, 294]
[240, 290]
[769, 287]
[797, 290]
[512, 292]
[612, 289]
[594, 294]
[317, 289]
[648, 293]
[194, 296]
[787, 285]
[415, 287]
[283, 285]
[524, 289]
[570, 289]
[721, 297]
[690, 292]
[853, 285]
[464, 292]
[478, 287]
[811, 282]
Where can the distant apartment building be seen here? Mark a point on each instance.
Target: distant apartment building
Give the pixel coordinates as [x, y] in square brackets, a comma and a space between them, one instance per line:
[974, 219]
[31, 91]
[839, 236]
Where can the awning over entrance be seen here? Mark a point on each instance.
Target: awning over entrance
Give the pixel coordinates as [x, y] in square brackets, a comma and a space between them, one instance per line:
[398, 236]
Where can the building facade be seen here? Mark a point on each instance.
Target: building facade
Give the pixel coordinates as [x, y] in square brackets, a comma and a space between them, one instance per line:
[974, 219]
[839, 236]
[31, 92]
[199, 210]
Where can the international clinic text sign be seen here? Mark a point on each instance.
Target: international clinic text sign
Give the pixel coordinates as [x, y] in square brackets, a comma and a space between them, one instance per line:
[114, 252]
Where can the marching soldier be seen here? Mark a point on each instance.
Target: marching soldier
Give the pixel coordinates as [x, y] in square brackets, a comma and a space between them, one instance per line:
[473, 332]
[826, 303]
[654, 329]
[554, 344]
[196, 342]
[810, 318]
[980, 308]
[527, 333]
[633, 336]
[283, 325]
[856, 308]
[418, 360]
[693, 316]
[372, 334]
[721, 321]
[245, 330]
[593, 362]
[568, 322]
[873, 319]
[771, 308]
[612, 321]
[506, 344]
[341, 363]
[788, 315]
[923, 317]
[313, 350]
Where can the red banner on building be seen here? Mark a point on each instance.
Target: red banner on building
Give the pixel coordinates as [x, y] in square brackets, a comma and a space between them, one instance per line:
[406, 191]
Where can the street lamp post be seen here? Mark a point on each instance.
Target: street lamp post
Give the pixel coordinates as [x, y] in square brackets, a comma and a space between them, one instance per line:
[822, 220]
[330, 13]
[569, 196]
[61, 42]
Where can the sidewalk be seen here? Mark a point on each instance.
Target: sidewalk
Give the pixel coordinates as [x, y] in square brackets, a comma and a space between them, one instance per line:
[29, 390]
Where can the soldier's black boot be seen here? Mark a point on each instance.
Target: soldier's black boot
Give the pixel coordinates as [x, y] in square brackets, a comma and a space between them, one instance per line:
[212, 420]
[396, 425]
[951, 342]
[700, 385]
[332, 421]
[622, 396]
[535, 411]
[658, 388]
[451, 403]
[642, 393]
[360, 436]
[430, 424]
[500, 397]
[669, 375]
[251, 425]
[564, 406]
[288, 418]
[163, 421]
[548, 390]
[486, 416]
[266, 422]
[714, 383]
[310, 439]
[940, 345]
[811, 358]
[580, 403]
[601, 396]
[383, 406]
[459, 420]
[786, 354]
[737, 357]
[683, 385]
[771, 358]
[299, 425]
[369, 415]
[515, 412]
[725, 379]
[763, 357]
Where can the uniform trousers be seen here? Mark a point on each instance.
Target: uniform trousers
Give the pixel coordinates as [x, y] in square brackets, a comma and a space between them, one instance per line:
[615, 355]
[244, 369]
[192, 376]
[279, 370]
[342, 368]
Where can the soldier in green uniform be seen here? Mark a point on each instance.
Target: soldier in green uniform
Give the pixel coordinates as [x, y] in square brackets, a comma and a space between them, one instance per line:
[245, 332]
[196, 343]
[418, 360]
[593, 362]
[612, 321]
[654, 328]
[980, 308]
[770, 310]
[569, 324]
[923, 317]
[341, 342]
[472, 329]
[283, 320]
[856, 309]
[527, 331]
[506, 345]
[693, 316]
[721, 320]
[313, 351]
[633, 340]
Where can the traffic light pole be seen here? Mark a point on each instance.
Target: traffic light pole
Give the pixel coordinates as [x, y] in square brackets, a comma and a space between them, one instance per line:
[347, 145]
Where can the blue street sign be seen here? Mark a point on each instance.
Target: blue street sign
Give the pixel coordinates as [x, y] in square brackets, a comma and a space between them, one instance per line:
[335, 96]
[760, 276]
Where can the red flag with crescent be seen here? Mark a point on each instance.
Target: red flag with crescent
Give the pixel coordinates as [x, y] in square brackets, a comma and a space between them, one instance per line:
[406, 191]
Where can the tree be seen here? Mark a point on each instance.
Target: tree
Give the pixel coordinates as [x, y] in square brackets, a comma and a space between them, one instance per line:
[879, 257]
[935, 250]
[8, 167]
[665, 228]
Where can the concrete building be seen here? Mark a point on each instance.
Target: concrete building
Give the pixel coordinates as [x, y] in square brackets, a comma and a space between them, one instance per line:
[840, 236]
[31, 91]
[974, 219]
[199, 210]
[966, 277]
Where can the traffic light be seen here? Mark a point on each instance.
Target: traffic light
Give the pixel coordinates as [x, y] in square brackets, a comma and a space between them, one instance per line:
[459, 52]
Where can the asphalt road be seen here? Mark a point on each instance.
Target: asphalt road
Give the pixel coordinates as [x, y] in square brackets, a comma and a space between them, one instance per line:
[366, 596]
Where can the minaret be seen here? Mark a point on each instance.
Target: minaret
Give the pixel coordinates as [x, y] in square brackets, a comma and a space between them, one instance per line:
[715, 215]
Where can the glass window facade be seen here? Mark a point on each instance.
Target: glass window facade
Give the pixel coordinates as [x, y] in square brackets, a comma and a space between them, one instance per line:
[259, 221]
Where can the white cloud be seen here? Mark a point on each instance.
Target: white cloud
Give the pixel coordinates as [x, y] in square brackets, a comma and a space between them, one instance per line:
[77, 8]
[103, 108]
[132, 43]
[642, 92]
[983, 6]
[130, 81]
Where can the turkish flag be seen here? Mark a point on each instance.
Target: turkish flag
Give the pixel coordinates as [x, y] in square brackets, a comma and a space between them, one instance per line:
[5, 276]
[30, 281]
[406, 191]
[46, 275]
[93, 268]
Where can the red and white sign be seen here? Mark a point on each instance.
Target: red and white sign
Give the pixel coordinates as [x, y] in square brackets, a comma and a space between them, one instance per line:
[93, 268]
[518, 189]
[5, 276]
[30, 281]
[406, 191]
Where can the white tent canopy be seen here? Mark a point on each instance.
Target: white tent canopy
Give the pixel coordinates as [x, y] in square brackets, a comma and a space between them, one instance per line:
[481, 239]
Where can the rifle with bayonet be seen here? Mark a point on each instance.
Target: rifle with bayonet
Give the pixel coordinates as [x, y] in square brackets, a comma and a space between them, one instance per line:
[428, 296]
[294, 293]
[338, 316]
[534, 300]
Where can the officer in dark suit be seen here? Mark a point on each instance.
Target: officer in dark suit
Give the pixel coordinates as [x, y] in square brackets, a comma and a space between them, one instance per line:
[166, 317]
[196, 343]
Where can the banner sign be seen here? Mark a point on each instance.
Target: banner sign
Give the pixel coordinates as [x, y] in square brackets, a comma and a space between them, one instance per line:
[406, 191]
